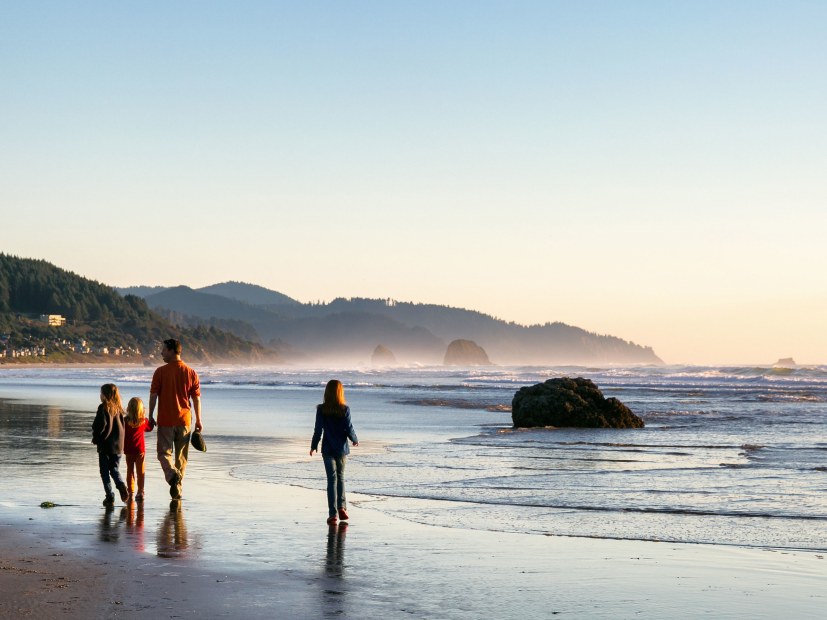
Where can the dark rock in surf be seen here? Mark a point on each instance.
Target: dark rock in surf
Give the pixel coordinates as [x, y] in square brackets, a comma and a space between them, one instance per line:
[382, 356]
[465, 353]
[567, 402]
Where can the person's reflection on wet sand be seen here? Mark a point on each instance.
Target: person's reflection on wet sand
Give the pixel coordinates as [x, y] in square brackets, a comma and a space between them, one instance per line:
[172, 535]
[333, 594]
[109, 531]
[335, 559]
[135, 524]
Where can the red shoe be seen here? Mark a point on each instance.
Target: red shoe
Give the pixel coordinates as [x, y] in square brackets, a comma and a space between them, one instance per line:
[332, 520]
[342, 514]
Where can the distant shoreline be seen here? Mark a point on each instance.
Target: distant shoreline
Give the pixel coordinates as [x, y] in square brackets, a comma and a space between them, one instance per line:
[91, 364]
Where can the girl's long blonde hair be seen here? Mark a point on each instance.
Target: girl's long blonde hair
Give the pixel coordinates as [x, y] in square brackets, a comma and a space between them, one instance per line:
[334, 398]
[111, 399]
[135, 412]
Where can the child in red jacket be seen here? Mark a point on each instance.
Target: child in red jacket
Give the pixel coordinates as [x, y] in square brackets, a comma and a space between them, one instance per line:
[134, 448]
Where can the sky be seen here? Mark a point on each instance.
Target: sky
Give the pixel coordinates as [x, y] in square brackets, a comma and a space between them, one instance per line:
[649, 170]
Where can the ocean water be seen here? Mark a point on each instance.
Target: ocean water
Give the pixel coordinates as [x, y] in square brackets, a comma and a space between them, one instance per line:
[729, 456]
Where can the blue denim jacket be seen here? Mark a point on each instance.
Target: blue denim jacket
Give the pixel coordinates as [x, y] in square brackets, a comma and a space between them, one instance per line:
[336, 433]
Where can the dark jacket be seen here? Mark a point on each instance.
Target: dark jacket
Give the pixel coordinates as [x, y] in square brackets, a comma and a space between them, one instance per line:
[108, 432]
[337, 430]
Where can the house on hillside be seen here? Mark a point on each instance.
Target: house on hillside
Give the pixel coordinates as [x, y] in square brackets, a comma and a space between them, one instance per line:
[53, 320]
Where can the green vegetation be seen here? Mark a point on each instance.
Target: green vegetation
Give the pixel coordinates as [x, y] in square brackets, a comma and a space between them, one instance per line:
[100, 323]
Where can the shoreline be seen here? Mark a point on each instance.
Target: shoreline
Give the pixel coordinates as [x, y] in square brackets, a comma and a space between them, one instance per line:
[52, 365]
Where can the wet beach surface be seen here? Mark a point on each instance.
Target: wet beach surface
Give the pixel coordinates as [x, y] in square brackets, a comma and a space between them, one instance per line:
[229, 551]
[249, 538]
[247, 549]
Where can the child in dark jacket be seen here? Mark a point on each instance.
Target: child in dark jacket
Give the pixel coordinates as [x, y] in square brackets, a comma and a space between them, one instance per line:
[108, 436]
[334, 428]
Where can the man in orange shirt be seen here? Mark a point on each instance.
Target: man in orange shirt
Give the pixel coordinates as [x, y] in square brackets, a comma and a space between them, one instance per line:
[174, 385]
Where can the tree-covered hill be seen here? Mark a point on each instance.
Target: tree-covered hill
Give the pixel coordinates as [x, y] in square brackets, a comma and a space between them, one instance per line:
[99, 321]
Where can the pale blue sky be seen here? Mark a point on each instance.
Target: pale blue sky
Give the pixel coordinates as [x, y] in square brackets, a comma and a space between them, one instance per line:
[653, 170]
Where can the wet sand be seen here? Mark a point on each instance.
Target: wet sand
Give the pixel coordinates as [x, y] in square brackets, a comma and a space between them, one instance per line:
[234, 550]
[251, 549]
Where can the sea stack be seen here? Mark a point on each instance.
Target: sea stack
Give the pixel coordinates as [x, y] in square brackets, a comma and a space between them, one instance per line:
[466, 353]
[785, 362]
[566, 402]
[382, 356]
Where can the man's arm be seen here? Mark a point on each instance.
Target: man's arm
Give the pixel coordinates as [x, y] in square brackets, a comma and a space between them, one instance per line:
[153, 399]
[196, 407]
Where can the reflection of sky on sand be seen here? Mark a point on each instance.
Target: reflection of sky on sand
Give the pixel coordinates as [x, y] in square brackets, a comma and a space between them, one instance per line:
[53, 427]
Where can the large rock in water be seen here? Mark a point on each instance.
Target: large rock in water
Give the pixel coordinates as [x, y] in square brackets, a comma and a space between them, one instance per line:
[382, 356]
[569, 402]
[465, 353]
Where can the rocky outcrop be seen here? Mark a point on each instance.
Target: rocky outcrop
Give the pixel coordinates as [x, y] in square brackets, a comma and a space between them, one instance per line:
[465, 353]
[785, 362]
[382, 356]
[566, 402]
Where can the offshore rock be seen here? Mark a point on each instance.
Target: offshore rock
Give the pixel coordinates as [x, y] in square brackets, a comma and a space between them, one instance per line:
[466, 353]
[382, 356]
[567, 402]
[785, 362]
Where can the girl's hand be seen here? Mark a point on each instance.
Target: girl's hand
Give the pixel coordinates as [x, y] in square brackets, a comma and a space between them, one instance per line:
[355, 444]
[311, 452]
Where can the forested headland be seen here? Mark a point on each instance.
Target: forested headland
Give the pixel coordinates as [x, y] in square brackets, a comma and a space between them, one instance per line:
[92, 322]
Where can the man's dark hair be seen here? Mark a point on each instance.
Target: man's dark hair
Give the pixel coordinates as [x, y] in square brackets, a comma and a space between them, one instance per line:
[173, 345]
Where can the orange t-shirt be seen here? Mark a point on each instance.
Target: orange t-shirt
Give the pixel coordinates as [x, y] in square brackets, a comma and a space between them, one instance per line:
[175, 383]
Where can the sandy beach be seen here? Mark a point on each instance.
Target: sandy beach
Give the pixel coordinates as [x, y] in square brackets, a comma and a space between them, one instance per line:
[195, 561]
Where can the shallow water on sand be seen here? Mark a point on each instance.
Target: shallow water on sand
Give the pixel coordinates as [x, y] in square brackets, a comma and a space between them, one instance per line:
[732, 456]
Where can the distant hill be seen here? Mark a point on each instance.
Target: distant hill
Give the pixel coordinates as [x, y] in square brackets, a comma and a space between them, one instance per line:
[240, 291]
[140, 291]
[350, 329]
[97, 316]
[250, 294]
[295, 330]
[206, 305]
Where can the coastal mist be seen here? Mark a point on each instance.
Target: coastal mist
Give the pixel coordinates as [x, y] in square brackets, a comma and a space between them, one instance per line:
[729, 456]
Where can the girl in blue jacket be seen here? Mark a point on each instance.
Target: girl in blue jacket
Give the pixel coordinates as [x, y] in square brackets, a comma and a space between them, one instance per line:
[334, 428]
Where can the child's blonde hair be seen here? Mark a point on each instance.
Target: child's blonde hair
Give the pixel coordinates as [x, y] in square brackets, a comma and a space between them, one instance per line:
[111, 399]
[135, 411]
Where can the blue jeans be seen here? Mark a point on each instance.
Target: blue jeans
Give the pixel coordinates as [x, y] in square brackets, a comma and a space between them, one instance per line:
[109, 467]
[334, 467]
